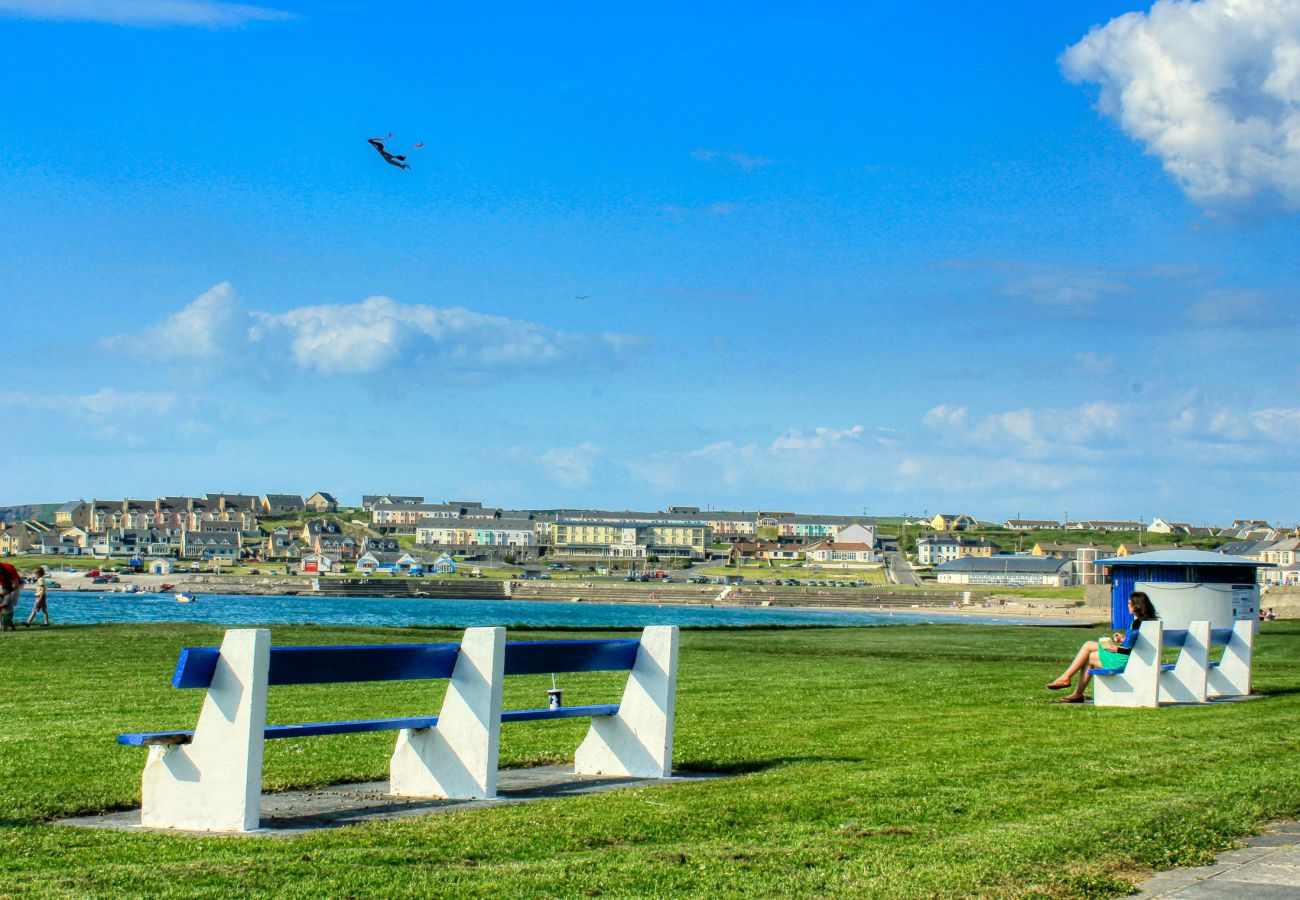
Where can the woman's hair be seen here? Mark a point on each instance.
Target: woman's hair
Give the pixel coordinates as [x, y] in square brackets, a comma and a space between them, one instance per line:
[1143, 610]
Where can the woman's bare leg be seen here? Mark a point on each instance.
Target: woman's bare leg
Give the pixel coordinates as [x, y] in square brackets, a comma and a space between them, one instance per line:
[1081, 660]
[1094, 662]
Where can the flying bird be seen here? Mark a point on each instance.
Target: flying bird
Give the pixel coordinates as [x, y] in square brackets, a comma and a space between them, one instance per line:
[583, 297]
[392, 159]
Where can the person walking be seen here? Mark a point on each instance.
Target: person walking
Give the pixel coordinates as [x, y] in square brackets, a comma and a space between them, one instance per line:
[10, 584]
[40, 606]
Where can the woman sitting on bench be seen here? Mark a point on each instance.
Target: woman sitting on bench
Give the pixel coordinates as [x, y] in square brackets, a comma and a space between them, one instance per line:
[1108, 653]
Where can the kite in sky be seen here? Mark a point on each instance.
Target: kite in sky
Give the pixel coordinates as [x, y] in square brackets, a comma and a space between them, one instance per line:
[391, 158]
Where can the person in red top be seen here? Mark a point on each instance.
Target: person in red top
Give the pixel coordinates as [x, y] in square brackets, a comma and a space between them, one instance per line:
[10, 584]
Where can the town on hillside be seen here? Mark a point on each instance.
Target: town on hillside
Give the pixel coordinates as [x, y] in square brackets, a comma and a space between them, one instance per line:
[390, 534]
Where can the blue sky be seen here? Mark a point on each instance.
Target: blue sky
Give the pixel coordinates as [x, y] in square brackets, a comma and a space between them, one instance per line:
[910, 257]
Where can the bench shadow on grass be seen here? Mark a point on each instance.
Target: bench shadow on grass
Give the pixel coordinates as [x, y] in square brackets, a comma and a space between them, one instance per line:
[749, 767]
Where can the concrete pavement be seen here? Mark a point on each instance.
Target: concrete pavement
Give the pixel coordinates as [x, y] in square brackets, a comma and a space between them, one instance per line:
[1266, 867]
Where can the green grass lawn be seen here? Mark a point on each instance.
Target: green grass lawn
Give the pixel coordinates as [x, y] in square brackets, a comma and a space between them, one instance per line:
[903, 761]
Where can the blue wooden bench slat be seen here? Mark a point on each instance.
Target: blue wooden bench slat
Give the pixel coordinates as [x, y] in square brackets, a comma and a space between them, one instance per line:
[410, 662]
[564, 712]
[541, 657]
[359, 726]
[330, 665]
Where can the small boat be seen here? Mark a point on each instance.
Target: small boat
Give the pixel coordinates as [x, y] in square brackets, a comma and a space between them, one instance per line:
[183, 597]
[164, 588]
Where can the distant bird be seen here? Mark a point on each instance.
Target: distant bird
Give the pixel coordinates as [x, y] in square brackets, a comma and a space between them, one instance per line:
[391, 158]
[583, 297]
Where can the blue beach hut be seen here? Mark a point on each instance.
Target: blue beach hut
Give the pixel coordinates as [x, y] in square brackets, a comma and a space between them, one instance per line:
[1222, 579]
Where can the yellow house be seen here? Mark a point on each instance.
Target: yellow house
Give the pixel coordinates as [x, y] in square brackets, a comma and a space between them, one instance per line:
[630, 540]
[952, 522]
[14, 539]
[74, 512]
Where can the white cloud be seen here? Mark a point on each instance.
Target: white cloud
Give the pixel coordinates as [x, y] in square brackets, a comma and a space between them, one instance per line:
[1198, 422]
[1240, 308]
[1029, 433]
[819, 459]
[955, 474]
[1082, 290]
[819, 439]
[1090, 363]
[1066, 290]
[1212, 88]
[143, 13]
[211, 326]
[571, 466]
[105, 403]
[375, 335]
[735, 157]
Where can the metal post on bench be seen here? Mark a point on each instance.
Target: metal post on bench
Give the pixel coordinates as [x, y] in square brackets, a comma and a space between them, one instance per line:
[638, 740]
[457, 759]
[214, 783]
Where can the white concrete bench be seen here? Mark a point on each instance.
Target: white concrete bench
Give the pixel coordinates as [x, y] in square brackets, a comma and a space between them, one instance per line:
[210, 779]
[1193, 678]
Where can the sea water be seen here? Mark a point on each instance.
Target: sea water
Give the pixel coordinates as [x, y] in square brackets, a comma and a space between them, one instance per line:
[240, 609]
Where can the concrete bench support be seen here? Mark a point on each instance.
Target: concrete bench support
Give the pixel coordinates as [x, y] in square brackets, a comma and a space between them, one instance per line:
[1187, 681]
[214, 783]
[638, 741]
[457, 759]
[1231, 677]
[1138, 683]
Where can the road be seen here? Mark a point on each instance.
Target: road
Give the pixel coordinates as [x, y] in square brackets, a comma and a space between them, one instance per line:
[900, 571]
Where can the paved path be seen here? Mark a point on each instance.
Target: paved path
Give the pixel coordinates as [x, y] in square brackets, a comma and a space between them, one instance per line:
[1266, 868]
[298, 812]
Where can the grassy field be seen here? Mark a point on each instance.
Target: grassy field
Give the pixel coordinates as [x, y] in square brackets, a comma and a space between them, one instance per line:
[904, 761]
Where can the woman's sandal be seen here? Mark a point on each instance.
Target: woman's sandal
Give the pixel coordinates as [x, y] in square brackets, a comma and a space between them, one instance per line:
[1057, 685]
[1069, 699]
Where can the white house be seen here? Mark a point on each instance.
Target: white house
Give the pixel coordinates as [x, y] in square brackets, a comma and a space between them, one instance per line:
[1044, 571]
[842, 554]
